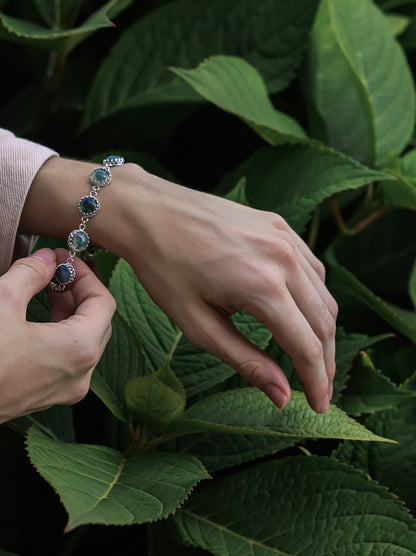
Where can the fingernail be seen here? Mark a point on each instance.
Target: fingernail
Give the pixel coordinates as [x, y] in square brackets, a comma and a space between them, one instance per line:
[330, 390]
[45, 255]
[325, 405]
[277, 396]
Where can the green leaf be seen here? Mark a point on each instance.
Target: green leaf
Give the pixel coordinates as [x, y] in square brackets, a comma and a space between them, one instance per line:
[398, 23]
[98, 485]
[271, 36]
[313, 173]
[391, 465]
[342, 280]
[249, 411]
[398, 194]
[352, 90]
[235, 86]
[238, 193]
[32, 34]
[368, 390]
[156, 399]
[298, 505]
[197, 370]
[163, 541]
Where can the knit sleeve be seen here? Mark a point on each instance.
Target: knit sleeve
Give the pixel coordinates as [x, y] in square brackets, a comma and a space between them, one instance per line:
[20, 161]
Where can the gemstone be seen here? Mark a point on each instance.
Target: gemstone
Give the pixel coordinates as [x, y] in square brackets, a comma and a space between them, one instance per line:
[64, 273]
[89, 205]
[113, 160]
[78, 240]
[100, 177]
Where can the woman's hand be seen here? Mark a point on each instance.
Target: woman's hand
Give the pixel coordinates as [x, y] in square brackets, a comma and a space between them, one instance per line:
[44, 364]
[202, 258]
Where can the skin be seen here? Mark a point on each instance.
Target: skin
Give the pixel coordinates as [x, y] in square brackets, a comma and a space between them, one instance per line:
[50, 363]
[202, 258]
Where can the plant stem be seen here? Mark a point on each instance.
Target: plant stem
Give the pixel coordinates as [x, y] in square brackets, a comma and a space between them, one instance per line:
[314, 228]
[361, 225]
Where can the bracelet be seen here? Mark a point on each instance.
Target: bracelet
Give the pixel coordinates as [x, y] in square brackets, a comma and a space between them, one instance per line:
[78, 240]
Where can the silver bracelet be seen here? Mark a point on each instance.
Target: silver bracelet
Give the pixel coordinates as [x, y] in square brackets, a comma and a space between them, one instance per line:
[78, 240]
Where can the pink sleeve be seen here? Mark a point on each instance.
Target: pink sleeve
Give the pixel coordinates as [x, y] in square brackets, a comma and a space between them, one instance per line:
[20, 161]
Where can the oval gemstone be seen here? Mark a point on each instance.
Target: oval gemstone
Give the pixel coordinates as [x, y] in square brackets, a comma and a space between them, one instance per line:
[78, 240]
[89, 205]
[100, 177]
[64, 273]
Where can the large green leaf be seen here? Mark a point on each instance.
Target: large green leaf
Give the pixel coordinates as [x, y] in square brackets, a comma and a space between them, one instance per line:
[362, 89]
[392, 465]
[271, 35]
[235, 86]
[298, 506]
[122, 360]
[249, 411]
[342, 280]
[313, 173]
[197, 370]
[34, 35]
[368, 390]
[98, 485]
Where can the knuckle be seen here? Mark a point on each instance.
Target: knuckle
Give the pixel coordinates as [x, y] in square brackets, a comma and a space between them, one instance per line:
[287, 253]
[328, 326]
[313, 349]
[277, 221]
[333, 308]
[320, 269]
[251, 370]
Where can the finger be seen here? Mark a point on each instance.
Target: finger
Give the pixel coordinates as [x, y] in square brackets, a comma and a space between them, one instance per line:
[62, 305]
[215, 332]
[25, 278]
[96, 306]
[313, 306]
[293, 333]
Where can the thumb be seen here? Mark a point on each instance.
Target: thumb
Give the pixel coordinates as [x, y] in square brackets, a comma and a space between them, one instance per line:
[216, 333]
[27, 277]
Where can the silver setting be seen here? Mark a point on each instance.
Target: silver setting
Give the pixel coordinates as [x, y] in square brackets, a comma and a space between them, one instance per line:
[100, 183]
[113, 160]
[59, 286]
[70, 240]
[93, 194]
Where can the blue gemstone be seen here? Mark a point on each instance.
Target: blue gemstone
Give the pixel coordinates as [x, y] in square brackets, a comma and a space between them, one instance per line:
[89, 205]
[100, 177]
[64, 273]
[78, 240]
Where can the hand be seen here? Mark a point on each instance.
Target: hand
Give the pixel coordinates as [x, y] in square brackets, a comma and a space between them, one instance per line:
[43, 364]
[202, 258]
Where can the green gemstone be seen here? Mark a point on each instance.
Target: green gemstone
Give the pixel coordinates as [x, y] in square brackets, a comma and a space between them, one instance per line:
[89, 205]
[78, 240]
[100, 177]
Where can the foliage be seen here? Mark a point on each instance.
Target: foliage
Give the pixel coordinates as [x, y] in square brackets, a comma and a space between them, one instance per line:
[306, 108]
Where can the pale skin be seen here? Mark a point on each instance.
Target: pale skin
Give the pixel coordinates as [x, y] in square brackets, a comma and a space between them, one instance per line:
[201, 258]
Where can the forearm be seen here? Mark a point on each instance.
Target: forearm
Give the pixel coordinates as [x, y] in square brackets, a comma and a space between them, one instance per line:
[51, 206]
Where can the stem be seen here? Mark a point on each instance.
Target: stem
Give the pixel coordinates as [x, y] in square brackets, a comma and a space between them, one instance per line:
[370, 192]
[361, 225]
[314, 228]
[74, 540]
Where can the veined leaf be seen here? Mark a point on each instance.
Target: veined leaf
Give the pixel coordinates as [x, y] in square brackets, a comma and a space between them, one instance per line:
[368, 390]
[235, 86]
[401, 319]
[98, 485]
[197, 370]
[298, 506]
[271, 35]
[391, 465]
[313, 173]
[32, 34]
[238, 193]
[249, 411]
[353, 81]
[122, 360]
[401, 193]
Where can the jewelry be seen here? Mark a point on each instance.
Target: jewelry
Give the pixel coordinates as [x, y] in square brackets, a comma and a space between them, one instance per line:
[78, 240]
